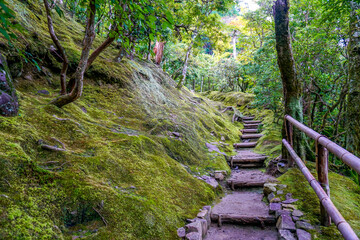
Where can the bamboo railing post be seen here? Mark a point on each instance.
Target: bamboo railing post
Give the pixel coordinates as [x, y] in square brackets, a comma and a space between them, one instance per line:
[322, 156]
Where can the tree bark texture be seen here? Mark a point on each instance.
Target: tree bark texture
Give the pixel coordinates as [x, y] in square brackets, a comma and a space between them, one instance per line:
[353, 101]
[159, 51]
[186, 61]
[78, 76]
[65, 62]
[291, 85]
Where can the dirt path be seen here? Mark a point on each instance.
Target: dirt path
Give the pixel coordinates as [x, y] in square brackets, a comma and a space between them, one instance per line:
[241, 214]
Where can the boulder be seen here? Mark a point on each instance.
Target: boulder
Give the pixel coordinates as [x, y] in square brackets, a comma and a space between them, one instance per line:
[278, 213]
[297, 213]
[9, 105]
[193, 236]
[274, 207]
[269, 188]
[285, 222]
[181, 232]
[270, 197]
[210, 180]
[205, 214]
[194, 227]
[286, 235]
[219, 175]
[303, 235]
[304, 225]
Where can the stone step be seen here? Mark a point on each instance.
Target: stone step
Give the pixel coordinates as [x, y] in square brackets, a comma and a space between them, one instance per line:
[248, 118]
[252, 126]
[248, 165]
[236, 183]
[249, 178]
[243, 219]
[248, 159]
[251, 136]
[249, 130]
[252, 121]
[246, 208]
[245, 145]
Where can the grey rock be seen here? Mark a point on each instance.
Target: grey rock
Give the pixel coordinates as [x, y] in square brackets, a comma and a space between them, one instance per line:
[211, 181]
[9, 105]
[290, 200]
[286, 235]
[285, 222]
[280, 192]
[193, 236]
[269, 187]
[297, 213]
[205, 214]
[271, 196]
[84, 109]
[295, 218]
[194, 227]
[276, 200]
[278, 213]
[219, 175]
[204, 226]
[181, 232]
[288, 196]
[43, 91]
[274, 207]
[303, 235]
[285, 205]
[304, 225]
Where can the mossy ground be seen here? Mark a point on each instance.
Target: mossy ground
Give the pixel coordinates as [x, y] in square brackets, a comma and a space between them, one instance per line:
[344, 193]
[124, 175]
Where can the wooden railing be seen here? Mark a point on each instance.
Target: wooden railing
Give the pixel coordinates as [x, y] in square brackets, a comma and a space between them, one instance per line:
[328, 211]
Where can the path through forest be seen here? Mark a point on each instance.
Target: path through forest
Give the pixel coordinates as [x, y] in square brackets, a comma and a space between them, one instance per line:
[242, 214]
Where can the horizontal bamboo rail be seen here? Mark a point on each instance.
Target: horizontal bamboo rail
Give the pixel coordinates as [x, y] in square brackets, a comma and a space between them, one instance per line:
[348, 158]
[335, 215]
[327, 209]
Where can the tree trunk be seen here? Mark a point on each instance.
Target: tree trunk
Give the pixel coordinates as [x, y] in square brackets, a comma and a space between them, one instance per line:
[159, 51]
[353, 102]
[291, 85]
[184, 71]
[78, 76]
[202, 83]
[234, 44]
[65, 62]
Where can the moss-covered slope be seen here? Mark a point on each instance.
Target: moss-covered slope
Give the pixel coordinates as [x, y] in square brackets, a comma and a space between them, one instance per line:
[125, 174]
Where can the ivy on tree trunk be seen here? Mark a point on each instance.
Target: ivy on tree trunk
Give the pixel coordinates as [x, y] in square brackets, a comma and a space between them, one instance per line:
[291, 85]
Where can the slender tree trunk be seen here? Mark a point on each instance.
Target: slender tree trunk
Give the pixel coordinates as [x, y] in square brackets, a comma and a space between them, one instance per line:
[78, 76]
[234, 44]
[291, 85]
[159, 51]
[184, 71]
[353, 101]
[148, 57]
[60, 49]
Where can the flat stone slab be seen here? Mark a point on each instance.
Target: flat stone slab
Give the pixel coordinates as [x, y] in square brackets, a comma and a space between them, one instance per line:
[251, 136]
[249, 178]
[246, 204]
[249, 130]
[236, 232]
[248, 157]
[245, 145]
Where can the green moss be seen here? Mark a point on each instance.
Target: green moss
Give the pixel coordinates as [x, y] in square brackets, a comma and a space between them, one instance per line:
[344, 193]
[230, 98]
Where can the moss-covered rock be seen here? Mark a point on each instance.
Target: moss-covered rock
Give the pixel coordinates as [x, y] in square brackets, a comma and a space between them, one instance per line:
[9, 105]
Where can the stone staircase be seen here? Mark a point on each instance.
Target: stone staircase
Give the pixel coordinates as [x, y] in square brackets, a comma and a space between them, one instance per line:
[242, 214]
